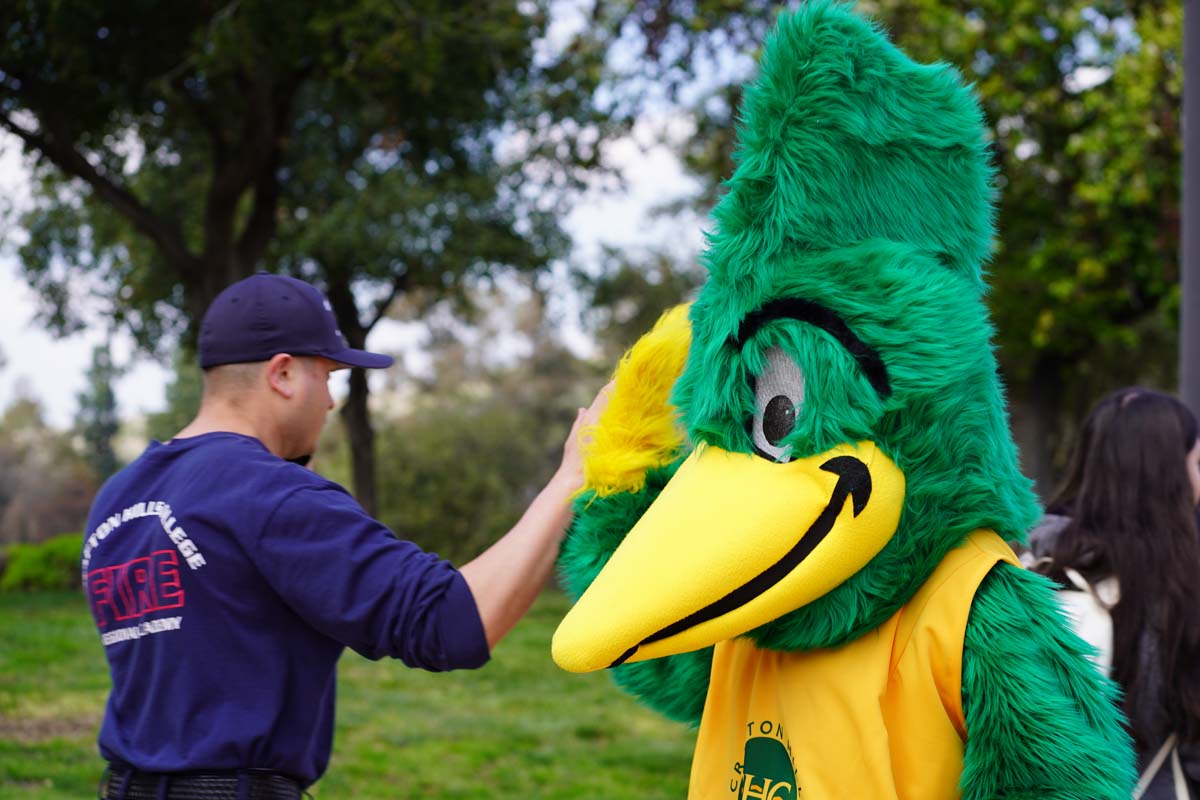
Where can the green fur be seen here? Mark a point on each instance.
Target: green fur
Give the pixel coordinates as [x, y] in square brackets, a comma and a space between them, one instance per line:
[844, 139]
[863, 184]
[1042, 722]
[944, 424]
[675, 686]
[599, 526]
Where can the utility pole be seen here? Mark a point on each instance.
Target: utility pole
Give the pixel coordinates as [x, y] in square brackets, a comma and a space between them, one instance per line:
[1189, 268]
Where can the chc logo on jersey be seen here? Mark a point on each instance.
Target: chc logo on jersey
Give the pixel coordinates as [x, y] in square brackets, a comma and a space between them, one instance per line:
[127, 591]
[765, 771]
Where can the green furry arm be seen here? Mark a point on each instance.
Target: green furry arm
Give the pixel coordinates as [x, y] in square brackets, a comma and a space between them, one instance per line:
[599, 527]
[1042, 722]
[674, 686]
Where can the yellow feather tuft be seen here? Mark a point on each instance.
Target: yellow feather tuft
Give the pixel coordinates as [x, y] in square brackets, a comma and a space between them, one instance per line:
[639, 429]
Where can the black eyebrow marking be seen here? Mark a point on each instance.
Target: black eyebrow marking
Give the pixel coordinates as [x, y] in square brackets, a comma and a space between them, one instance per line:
[816, 314]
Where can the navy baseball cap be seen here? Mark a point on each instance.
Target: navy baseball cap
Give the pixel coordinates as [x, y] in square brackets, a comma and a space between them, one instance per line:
[264, 315]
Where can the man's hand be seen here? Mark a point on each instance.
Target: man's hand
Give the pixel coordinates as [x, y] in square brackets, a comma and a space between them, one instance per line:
[571, 468]
[640, 430]
[505, 578]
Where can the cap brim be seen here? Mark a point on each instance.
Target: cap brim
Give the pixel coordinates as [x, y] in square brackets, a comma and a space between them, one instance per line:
[361, 358]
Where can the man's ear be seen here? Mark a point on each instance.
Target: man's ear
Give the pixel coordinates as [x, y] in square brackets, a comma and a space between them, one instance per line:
[283, 373]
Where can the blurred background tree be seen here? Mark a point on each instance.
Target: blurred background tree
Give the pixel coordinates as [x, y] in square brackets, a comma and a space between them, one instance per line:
[97, 419]
[470, 438]
[352, 143]
[46, 486]
[182, 398]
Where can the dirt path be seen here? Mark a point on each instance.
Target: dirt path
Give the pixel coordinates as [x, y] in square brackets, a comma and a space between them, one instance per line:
[28, 730]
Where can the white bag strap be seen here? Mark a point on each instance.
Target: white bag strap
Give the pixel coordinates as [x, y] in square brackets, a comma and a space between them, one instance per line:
[1181, 788]
[1144, 780]
[1082, 585]
[1037, 563]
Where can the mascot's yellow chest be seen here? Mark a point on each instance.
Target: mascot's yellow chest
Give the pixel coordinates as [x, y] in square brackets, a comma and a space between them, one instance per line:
[879, 718]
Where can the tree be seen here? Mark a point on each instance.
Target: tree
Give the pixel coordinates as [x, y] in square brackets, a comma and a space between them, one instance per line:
[1083, 99]
[625, 296]
[45, 486]
[350, 142]
[183, 399]
[468, 443]
[96, 419]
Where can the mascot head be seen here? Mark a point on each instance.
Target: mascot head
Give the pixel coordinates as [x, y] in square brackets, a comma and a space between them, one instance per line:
[845, 422]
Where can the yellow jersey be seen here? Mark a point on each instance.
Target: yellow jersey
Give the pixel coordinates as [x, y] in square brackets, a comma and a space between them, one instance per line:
[877, 718]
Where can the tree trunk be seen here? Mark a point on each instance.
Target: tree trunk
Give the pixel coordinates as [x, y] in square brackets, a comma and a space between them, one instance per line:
[356, 416]
[1034, 415]
[356, 413]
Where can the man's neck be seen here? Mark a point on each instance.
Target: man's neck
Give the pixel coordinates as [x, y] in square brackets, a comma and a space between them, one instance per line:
[225, 420]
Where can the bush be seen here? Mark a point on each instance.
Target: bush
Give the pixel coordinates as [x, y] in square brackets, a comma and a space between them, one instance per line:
[454, 477]
[53, 564]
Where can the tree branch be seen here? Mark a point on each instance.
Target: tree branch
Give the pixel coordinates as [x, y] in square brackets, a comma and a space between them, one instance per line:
[345, 309]
[62, 153]
[260, 227]
[203, 114]
[399, 284]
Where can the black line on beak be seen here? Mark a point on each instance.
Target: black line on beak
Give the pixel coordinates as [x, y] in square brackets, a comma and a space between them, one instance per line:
[854, 482]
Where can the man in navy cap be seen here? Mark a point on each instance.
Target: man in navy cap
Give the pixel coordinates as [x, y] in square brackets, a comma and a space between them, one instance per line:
[226, 580]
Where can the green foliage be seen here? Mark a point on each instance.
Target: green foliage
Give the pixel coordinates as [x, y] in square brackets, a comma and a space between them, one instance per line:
[96, 418]
[1085, 278]
[469, 453]
[625, 297]
[52, 564]
[45, 485]
[519, 727]
[183, 398]
[1089, 213]
[465, 470]
[352, 142]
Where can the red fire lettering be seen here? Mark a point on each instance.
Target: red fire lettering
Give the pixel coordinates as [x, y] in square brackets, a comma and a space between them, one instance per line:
[100, 587]
[170, 590]
[136, 588]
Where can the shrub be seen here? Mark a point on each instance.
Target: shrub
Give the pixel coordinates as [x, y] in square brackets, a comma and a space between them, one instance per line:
[52, 564]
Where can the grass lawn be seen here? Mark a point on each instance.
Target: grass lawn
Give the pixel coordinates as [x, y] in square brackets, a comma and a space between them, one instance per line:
[519, 728]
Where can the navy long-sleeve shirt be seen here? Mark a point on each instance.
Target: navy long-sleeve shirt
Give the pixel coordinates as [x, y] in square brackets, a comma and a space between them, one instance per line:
[225, 583]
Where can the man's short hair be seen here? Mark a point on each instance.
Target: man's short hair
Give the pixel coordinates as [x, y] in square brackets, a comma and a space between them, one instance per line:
[229, 381]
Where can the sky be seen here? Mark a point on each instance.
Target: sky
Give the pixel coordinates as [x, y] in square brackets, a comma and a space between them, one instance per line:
[53, 370]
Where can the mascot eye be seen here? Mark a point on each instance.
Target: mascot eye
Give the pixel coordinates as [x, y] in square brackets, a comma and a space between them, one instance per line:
[778, 393]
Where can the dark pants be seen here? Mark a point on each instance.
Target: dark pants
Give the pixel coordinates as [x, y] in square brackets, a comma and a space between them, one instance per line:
[126, 783]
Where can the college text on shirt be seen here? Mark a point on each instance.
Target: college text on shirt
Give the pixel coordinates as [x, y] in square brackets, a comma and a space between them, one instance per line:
[149, 508]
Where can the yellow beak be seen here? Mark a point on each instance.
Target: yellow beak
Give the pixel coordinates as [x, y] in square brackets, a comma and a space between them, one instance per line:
[733, 542]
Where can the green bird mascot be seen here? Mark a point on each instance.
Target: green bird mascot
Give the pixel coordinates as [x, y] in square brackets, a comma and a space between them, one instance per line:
[793, 530]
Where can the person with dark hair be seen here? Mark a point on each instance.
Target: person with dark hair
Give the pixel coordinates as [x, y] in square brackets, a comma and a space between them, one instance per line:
[1125, 522]
[226, 579]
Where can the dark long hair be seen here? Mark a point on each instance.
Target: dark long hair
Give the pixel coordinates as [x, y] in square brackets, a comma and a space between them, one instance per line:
[1133, 515]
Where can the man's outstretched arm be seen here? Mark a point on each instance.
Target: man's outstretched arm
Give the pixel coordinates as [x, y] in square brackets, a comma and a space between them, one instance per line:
[506, 578]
